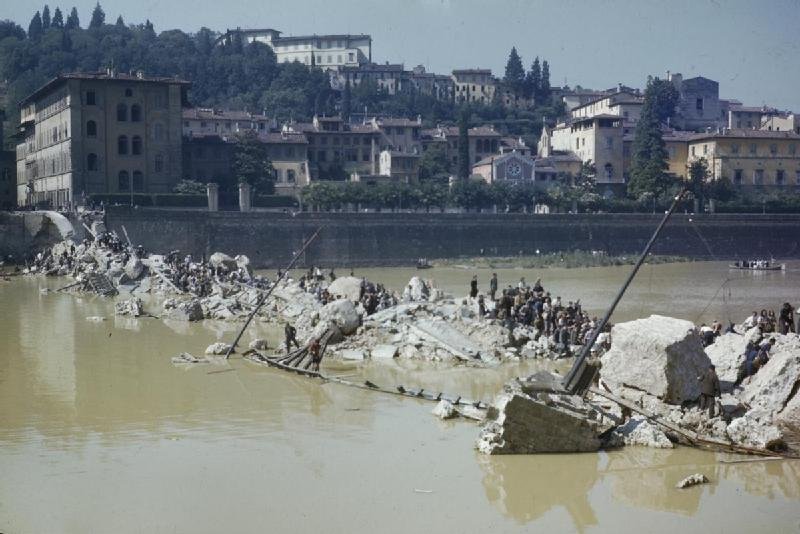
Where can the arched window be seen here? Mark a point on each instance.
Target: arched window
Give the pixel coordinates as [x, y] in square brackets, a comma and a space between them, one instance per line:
[122, 144]
[122, 112]
[609, 171]
[290, 176]
[136, 113]
[136, 145]
[91, 129]
[159, 164]
[158, 131]
[138, 181]
[91, 162]
[124, 181]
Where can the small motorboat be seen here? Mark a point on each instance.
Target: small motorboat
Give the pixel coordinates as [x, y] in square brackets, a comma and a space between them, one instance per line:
[758, 265]
[422, 263]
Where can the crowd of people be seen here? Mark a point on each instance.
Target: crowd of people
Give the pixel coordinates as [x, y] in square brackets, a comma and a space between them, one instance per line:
[565, 325]
[373, 297]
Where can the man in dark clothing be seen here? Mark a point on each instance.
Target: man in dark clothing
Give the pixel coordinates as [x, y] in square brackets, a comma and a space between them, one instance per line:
[473, 286]
[493, 286]
[481, 307]
[316, 357]
[786, 319]
[709, 390]
[290, 334]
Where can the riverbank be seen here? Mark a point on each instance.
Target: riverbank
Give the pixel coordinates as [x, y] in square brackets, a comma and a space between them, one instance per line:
[564, 260]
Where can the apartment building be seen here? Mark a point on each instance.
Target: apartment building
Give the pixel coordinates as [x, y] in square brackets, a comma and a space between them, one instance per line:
[94, 133]
[474, 85]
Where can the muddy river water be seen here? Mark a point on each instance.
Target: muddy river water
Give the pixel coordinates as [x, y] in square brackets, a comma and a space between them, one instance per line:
[99, 432]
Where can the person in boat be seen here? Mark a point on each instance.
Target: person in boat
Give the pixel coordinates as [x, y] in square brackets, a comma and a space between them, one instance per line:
[290, 335]
[709, 390]
[493, 286]
[316, 355]
[786, 319]
[473, 286]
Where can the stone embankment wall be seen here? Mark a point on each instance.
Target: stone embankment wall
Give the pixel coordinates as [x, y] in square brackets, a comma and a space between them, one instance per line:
[360, 239]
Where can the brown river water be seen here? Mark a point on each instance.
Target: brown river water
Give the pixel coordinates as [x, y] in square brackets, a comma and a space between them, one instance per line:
[99, 432]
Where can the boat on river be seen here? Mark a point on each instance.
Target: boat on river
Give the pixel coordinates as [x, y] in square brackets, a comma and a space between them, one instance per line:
[422, 263]
[758, 265]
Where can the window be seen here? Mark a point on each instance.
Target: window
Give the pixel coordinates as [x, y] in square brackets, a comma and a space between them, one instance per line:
[339, 58]
[158, 131]
[609, 171]
[773, 149]
[780, 177]
[758, 177]
[138, 181]
[136, 113]
[159, 163]
[753, 148]
[321, 155]
[124, 181]
[290, 176]
[735, 148]
[91, 98]
[577, 143]
[330, 60]
[705, 150]
[136, 145]
[797, 177]
[122, 112]
[351, 57]
[158, 101]
[737, 176]
[122, 144]
[91, 162]
[609, 143]
[693, 153]
[792, 149]
[365, 156]
[91, 129]
[128, 92]
[698, 104]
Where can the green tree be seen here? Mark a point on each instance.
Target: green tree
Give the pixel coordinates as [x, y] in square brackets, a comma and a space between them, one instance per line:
[463, 163]
[73, 22]
[35, 27]
[515, 73]
[251, 162]
[544, 86]
[433, 165]
[98, 17]
[190, 187]
[471, 193]
[346, 101]
[663, 98]
[46, 21]
[9, 28]
[649, 162]
[58, 19]
[534, 79]
[120, 23]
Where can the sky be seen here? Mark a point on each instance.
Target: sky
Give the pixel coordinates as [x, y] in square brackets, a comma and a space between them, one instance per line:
[752, 47]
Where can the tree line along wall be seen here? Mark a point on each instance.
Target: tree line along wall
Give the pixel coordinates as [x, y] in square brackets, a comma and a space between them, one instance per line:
[355, 239]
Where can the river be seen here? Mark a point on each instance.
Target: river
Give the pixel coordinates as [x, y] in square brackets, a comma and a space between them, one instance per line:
[99, 432]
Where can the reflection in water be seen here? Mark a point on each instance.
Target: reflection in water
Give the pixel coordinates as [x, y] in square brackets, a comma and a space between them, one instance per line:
[82, 402]
[527, 487]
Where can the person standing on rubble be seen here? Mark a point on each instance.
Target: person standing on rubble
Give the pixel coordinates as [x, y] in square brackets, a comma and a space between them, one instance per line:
[709, 390]
[316, 356]
[493, 286]
[473, 286]
[290, 333]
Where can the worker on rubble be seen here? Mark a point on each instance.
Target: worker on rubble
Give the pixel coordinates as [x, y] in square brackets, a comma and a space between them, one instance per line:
[709, 390]
[493, 286]
[290, 333]
[316, 355]
[473, 286]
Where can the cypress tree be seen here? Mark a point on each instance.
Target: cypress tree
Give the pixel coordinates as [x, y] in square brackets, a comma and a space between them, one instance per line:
[98, 17]
[515, 72]
[535, 80]
[346, 101]
[120, 23]
[58, 19]
[35, 27]
[463, 163]
[544, 86]
[46, 18]
[73, 22]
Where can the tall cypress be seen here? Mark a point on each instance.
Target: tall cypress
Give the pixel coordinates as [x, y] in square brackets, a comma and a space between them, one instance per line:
[98, 17]
[58, 19]
[73, 22]
[346, 101]
[46, 17]
[544, 85]
[463, 163]
[35, 27]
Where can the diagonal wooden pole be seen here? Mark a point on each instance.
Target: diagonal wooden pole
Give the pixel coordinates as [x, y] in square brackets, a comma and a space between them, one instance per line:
[266, 295]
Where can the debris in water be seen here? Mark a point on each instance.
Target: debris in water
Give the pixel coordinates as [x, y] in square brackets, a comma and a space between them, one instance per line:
[692, 480]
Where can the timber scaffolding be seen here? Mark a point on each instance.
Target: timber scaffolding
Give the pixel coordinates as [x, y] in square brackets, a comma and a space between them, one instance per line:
[301, 361]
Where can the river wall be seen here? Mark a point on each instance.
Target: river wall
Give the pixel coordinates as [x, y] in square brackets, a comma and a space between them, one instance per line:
[362, 239]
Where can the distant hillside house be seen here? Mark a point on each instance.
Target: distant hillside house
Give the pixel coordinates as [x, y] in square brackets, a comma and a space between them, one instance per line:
[474, 85]
[329, 52]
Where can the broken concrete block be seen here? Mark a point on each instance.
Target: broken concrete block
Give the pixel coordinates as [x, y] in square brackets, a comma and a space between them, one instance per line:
[727, 353]
[351, 354]
[346, 287]
[639, 431]
[692, 480]
[444, 410]
[746, 431]
[258, 344]
[218, 348]
[660, 355]
[380, 352]
[343, 314]
[186, 310]
[220, 259]
[131, 307]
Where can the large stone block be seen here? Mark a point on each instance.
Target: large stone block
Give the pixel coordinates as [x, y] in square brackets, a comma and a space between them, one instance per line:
[727, 353]
[660, 355]
[343, 314]
[347, 287]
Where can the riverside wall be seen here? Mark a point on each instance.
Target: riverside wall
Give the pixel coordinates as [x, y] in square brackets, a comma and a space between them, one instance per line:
[362, 239]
